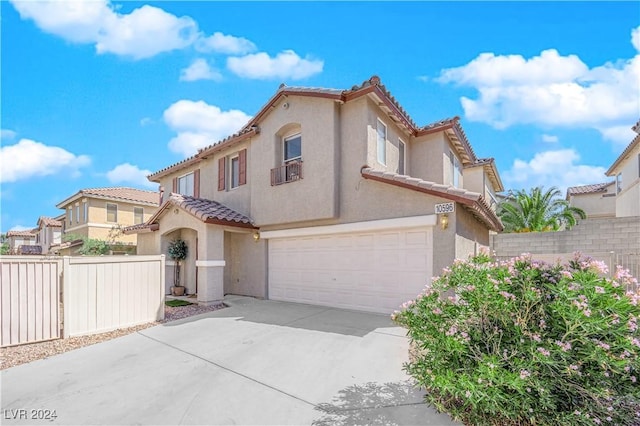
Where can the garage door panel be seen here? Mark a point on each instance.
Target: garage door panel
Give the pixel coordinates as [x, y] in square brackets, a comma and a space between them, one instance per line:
[374, 271]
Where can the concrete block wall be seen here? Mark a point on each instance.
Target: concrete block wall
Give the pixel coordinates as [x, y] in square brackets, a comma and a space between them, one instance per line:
[603, 235]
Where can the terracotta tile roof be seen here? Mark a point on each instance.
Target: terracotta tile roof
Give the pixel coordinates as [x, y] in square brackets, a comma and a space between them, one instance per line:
[634, 143]
[120, 193]
[473, 201]
[373, 86]
[588, 189]
[50, 222]
[23, 233]
[207, 211]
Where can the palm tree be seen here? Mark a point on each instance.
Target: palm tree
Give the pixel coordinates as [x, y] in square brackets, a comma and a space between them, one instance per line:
[538, 211]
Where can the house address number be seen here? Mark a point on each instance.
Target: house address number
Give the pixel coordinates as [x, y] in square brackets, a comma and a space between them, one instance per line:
[445, 208]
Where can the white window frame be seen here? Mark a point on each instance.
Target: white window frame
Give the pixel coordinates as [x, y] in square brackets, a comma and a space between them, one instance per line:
[141, 209]
[456, 170]
[236, 158]
[85, 211]
[286, 139]
[618, 183]
[402, 157]
[381, 144]
[77, 212]
[70, 215]
[116, 211]
[189, 188]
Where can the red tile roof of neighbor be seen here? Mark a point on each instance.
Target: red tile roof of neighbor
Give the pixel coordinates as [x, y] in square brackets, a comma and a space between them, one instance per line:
[588, 189]
[473, 201]
[207, 211]
[47, 221]
[131, 195]
[23, 233]
[373, 86]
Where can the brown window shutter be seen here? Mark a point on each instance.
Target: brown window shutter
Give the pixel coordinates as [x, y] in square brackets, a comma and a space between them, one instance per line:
[196, 183]
[242, 159]
[175, 185]
[221, 173]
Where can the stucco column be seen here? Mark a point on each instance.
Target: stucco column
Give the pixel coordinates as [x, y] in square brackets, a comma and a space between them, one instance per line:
[210, 266]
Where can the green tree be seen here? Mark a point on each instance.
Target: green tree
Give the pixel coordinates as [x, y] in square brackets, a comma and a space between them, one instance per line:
[538, 211]
[4, 248]
[90, 246]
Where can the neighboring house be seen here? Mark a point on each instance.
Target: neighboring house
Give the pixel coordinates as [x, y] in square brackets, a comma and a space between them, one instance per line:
[23, 242]
[329, 197]
[99, 213]
[626, 170]
[598, 200]
[49, 233]
[620, 198]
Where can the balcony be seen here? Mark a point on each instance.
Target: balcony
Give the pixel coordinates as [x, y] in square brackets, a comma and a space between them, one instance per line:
[286, 173]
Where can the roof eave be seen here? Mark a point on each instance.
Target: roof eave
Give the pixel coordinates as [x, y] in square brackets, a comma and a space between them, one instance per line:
[476, 203]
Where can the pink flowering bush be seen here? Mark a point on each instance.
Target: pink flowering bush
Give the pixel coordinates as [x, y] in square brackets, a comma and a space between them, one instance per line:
[526, 343]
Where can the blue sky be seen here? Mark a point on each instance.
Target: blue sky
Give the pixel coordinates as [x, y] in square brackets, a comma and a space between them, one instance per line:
[101, 93]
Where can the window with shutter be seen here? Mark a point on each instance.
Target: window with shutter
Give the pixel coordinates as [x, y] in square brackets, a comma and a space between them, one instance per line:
[221, 174]
[242, 156]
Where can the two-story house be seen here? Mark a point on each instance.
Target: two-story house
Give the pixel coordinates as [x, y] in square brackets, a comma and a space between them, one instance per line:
[619, 197]
[100, 213]
[49, 232]
[329, 197]
[23, 242]
[626, 170]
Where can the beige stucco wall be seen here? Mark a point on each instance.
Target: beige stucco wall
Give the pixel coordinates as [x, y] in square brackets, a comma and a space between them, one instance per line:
[628, 201]
[246, 268]
[471, 235]
[310, 198]
[595, 205]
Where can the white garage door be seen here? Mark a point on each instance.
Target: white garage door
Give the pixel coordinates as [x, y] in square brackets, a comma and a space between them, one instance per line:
[371, 271]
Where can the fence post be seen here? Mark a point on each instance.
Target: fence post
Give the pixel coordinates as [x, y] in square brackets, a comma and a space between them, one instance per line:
[162, 285]
[66, 290]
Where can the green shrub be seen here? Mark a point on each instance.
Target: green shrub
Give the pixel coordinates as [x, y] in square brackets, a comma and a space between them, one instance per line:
[525, 343]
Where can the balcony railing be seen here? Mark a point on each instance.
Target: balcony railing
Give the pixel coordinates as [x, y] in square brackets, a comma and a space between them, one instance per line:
[286, 173]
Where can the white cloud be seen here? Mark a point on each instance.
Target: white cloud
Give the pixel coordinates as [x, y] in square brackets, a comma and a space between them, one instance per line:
[227, 44]
[557, 168]
[145, 121]
[199, 70]
[7, 134]
[552, 90]
[143, 33]
[130, 174]
[29, 158]
[199, 124]
[635, 38]
[287, 64]
[549, 138]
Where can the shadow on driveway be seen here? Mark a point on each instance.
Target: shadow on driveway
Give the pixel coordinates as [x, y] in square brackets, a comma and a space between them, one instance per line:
[308, 317]
[371, 403]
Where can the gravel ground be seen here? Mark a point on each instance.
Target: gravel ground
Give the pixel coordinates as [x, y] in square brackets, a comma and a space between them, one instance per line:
[16, 355]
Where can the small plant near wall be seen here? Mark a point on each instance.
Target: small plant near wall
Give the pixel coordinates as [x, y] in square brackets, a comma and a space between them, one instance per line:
[177, 251]
[522, 342]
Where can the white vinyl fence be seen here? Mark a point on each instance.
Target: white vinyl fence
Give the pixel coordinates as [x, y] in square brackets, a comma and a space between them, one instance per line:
[39, 296]
[106, 293]
[29, 299]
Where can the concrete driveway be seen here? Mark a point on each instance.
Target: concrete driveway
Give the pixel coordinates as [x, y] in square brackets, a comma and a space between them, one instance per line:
[256, 362]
